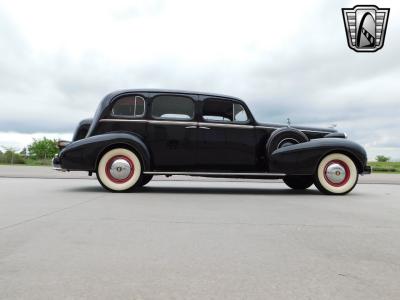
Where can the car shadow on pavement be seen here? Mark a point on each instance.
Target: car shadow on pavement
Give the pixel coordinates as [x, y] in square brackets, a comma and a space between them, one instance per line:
[203, 190]
[224, 190]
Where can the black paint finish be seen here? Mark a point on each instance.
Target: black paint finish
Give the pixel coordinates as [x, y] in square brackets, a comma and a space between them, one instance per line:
[302, 159]
[82, 129]
[198, 144]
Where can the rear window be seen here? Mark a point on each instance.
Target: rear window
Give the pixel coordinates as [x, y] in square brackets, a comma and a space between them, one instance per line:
[172, 107]
[129, 106]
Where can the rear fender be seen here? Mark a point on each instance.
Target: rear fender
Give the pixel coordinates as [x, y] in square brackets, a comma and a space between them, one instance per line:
[303, 159]
[82, 129]
[84, 154]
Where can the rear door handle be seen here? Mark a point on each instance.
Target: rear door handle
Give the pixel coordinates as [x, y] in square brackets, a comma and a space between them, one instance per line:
[191, 127]
[204, 127]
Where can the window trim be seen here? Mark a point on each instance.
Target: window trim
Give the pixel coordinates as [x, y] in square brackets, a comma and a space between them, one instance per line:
[248, 121]
[173, 119]
[233, 113]
[134, 116]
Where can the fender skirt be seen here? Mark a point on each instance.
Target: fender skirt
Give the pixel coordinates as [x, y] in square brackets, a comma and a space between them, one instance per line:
[84, 154]
[303, 158]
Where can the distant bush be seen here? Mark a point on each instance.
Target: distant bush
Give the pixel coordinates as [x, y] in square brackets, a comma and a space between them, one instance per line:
[11, 157]
[43, 148]
[382, 158]
[39, 153]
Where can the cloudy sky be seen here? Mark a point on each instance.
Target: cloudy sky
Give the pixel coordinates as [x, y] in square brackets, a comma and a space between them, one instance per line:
[284, 58]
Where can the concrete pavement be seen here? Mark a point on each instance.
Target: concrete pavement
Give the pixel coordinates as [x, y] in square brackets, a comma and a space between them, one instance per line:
[69, 239]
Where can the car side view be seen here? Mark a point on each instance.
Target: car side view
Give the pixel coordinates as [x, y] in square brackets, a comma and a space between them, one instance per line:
[136, 134]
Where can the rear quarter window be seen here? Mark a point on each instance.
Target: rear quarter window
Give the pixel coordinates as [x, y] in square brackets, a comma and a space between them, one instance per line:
[129, 107]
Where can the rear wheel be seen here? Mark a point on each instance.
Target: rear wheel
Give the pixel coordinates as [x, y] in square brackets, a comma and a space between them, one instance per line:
[298, 182]
[119, 170]
[337, 174]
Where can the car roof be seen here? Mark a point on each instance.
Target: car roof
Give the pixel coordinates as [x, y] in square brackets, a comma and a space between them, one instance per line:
[124, 91]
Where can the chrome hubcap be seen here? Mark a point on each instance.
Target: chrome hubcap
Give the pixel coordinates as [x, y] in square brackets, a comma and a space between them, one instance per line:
[120, 169]
[336, 173]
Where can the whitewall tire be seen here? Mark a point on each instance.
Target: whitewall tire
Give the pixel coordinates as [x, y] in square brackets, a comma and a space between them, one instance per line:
[337, 174]
[119, 170]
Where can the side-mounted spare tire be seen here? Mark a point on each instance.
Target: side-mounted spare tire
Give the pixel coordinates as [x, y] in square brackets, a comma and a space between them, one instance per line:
[284, 137]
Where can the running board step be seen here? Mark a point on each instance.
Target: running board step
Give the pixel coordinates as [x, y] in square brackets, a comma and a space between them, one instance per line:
[218, 174]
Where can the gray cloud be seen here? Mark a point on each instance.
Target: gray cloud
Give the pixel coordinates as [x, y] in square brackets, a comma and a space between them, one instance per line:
[311, 76]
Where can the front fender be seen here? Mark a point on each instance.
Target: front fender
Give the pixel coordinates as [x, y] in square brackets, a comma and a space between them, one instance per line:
[83, 155]
[303, 158]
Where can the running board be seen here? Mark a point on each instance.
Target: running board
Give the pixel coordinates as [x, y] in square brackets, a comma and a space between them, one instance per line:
[219, 174]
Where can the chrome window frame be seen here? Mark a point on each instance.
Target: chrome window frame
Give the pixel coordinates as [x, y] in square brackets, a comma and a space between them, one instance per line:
[134, 116]
[234, 116]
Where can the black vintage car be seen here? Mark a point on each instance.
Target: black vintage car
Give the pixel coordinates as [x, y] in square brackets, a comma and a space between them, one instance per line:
[136, 134]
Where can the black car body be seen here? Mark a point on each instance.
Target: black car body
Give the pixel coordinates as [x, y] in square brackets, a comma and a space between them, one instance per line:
[182, 132]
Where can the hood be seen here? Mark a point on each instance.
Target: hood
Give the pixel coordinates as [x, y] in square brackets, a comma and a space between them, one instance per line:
[301, 128]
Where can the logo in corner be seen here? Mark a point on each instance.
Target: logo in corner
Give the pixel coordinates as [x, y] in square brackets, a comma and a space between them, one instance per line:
[365, 27]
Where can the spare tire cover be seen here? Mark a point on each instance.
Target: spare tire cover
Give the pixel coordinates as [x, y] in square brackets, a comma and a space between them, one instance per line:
[284, 137]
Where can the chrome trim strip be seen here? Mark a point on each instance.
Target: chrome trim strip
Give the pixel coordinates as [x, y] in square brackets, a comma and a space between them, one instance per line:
[210, 124]
[58, 168]
[123, 120]
[287, 139]
[186, 123]
[212, 173]
[302, 130]
[267, 127]
[316, 131]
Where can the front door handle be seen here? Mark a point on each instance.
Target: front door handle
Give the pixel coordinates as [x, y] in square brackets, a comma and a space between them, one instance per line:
[191, 127]
[204, 127]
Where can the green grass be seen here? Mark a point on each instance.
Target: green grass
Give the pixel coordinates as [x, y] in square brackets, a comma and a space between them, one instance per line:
[385, 167]
[37, 162]
[30, 162]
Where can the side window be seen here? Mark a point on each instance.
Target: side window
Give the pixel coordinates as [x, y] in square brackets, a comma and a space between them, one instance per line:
[217, 110]
[223, 111]
[129, 106]
[172, 107]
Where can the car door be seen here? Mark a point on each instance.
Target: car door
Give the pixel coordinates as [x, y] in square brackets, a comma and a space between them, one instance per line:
[226, 136]
[172, 131]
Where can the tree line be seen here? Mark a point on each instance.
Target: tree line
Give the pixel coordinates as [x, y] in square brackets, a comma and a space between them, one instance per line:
[40, 151]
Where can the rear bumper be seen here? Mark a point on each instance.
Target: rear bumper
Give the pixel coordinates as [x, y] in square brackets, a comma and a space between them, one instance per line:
[367, 170]
[57, 164]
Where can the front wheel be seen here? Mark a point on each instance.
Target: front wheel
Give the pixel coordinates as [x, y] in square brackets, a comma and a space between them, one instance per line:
[336, 174]
[298, 182]
[119, 170]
